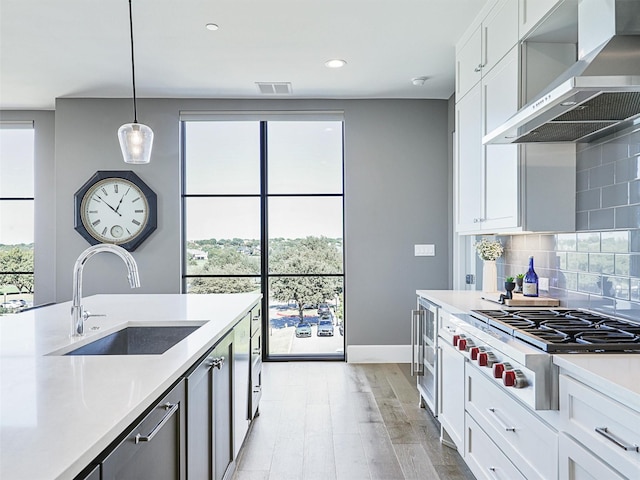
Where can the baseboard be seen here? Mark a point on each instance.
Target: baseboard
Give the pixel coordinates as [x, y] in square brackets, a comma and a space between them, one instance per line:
[379, 353]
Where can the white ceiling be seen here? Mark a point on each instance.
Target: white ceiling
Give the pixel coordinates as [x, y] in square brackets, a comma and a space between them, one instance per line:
[80, 48]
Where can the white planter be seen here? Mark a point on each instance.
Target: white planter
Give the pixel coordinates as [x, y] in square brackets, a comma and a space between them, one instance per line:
[489, 276]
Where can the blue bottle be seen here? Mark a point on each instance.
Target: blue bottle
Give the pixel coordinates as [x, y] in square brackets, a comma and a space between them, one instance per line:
[530, 282]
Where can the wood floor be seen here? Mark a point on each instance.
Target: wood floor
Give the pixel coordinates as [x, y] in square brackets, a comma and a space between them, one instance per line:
[334, 420]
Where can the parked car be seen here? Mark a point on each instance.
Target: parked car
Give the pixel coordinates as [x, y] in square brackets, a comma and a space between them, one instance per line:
[323, 308]
[303, 329]
[325, 328]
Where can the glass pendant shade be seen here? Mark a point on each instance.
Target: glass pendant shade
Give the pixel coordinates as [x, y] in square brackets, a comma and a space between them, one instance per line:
[136, 141]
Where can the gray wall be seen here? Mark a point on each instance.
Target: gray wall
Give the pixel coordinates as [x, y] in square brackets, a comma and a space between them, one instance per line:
[397, 194]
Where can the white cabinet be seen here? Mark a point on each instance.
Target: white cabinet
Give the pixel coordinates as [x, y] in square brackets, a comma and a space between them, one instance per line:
[468, 168]
[532, 11]
[608, 431]
[578, 463]
[498, 188]
[486, 45]
[451, 405]
[515, 430]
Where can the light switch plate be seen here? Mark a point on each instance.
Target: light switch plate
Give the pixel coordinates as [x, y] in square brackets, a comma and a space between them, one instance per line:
[428, 250]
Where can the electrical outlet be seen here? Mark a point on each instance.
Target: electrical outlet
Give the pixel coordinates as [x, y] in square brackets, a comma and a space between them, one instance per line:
[543, 284]
[469, 279]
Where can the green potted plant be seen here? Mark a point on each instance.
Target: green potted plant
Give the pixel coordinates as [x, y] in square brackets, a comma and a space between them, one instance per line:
[509, 285]
[519, 280]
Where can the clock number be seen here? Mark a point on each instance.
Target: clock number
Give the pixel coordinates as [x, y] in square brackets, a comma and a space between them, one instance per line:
[95, 224]
[104, 190]
[115, 188]
[96, 199]
[139, 211]
[135, 222]
[104, 231]
[135, 199]
[93, 211]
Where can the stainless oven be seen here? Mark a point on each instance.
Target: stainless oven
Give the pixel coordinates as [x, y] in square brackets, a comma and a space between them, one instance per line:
[424, 335]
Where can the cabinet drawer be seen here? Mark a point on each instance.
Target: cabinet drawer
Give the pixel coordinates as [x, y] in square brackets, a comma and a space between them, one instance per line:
[483, 456]
[514, 428]
[608, 428]
[578, 463]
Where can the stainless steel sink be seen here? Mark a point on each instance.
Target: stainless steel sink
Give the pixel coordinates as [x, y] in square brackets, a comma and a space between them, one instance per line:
[137, 340]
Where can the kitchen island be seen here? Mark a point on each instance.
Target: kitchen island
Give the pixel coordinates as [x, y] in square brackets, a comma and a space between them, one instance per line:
[58, 413]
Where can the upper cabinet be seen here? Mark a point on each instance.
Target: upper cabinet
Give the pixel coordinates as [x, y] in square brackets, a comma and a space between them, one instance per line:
[505, 188]
[532, 12]
[486, 45]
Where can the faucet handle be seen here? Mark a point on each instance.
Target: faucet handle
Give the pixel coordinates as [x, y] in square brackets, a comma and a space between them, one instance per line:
[87, 314]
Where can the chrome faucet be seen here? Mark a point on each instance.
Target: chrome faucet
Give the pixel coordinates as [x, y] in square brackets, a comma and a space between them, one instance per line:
[78, 314]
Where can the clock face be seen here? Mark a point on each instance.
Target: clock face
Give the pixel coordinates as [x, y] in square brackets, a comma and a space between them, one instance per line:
[115, 207]
[114, 210]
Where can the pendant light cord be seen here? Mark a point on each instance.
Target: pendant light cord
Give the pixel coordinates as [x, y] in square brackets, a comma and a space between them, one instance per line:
[133, 67]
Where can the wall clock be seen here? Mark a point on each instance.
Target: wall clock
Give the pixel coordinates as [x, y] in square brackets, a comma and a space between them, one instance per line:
[115, 207]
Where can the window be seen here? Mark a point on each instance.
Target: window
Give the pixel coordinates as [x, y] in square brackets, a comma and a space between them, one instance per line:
[16, 216]
[263, 210]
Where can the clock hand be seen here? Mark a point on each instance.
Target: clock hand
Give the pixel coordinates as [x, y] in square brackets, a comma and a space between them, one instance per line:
[121, 198]
[103, 200]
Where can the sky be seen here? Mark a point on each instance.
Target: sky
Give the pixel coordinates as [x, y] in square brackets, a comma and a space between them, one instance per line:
[16, 180]
[305, 157]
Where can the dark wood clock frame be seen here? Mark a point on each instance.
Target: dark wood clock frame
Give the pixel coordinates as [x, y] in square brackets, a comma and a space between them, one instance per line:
[152, 201]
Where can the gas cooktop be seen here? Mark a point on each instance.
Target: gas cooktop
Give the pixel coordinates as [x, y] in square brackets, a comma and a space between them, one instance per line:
[565, 330]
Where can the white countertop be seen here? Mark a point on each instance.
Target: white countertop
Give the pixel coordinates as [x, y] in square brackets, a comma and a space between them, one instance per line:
[617, 375]
[57, 413]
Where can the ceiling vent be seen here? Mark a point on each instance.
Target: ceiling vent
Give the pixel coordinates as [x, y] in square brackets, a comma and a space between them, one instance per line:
[274, 88]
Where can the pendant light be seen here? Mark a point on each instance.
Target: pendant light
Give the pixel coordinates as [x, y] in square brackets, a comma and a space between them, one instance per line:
[135, 138]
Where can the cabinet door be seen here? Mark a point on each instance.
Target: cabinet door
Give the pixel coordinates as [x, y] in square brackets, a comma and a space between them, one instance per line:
[469, 64]
[578, 463]
[222, 406]
[156, 447]
[531, 12]
[499, 33]
[241, 381]
[200, 421]
[502, 168]
[469, 157]
[451, 404]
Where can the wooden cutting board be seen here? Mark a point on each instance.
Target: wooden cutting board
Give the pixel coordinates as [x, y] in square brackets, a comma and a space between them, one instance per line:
[522, 301]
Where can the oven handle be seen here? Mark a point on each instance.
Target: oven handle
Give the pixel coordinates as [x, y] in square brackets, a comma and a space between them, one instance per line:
[500, 422]
[618, 441]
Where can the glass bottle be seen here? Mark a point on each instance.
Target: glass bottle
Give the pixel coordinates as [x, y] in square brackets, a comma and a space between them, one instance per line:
[530, 283]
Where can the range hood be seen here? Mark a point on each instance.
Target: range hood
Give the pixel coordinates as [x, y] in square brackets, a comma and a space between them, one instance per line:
[598, 95]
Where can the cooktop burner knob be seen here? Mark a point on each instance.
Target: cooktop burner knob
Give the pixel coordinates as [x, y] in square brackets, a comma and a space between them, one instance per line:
[514, 378]
[475, 352]
[465, 344]
[456, 339]
[486, 359]
[498, 370]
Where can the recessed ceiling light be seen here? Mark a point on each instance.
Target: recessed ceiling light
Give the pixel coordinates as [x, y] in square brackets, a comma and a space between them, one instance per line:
[211, 26]
[335, 63]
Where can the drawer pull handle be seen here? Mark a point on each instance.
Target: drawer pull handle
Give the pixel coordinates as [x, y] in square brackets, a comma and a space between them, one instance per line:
[620, 443]
[217, 362]
[171, 409]
[500, 422]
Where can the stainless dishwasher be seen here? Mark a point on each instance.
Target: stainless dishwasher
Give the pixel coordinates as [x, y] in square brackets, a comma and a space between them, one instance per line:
[424, 335]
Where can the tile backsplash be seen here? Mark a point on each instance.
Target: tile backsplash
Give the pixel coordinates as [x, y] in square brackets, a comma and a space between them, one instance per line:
[598, 266]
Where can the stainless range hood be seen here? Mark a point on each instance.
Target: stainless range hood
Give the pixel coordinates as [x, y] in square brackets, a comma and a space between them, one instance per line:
[598, 95]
